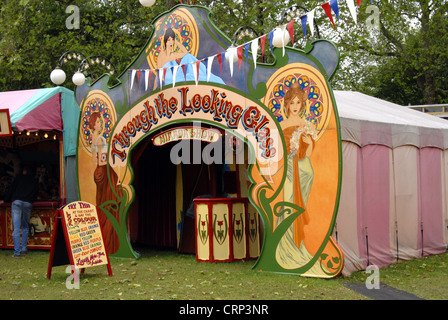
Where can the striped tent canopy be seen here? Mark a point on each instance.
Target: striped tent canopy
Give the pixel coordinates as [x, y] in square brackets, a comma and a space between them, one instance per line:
[44, 109]
[394, 195]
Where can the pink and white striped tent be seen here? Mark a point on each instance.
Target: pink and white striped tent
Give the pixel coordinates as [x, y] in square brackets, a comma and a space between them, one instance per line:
[394, 196]
[44, 109]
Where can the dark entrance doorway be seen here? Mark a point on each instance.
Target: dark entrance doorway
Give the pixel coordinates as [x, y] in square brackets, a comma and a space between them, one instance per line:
[153, 212]
[162, 215]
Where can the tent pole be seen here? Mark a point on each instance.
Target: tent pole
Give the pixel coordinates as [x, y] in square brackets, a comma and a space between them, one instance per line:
[396, 232]
[421, 230]
[420, 199]
[395, 199]
[62, 190]
[367, 246]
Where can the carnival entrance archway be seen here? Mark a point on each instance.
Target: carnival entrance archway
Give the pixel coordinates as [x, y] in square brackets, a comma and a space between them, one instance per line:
[162, 215]
[285, 113]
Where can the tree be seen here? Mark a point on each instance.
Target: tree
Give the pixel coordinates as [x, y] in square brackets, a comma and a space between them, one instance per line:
[402, 56]
[395, 51]
[34, 34]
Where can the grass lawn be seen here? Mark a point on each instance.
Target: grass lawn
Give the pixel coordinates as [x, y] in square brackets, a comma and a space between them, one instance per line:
[164, 275]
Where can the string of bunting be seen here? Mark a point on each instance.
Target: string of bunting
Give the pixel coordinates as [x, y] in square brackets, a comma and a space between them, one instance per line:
[237, 52]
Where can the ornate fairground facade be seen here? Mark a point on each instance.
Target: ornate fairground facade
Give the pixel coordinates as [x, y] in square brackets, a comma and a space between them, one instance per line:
[202, 148]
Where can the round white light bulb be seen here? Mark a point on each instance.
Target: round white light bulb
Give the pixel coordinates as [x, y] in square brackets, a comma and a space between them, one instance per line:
[78, 78]
[277, 41]
[231, 52]
[57, 76]
[147, 3]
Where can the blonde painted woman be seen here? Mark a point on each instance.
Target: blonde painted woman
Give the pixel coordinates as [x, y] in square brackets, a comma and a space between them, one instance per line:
[298, 133]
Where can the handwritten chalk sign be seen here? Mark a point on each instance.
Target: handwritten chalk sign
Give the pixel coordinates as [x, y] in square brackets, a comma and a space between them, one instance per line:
[84, 245]
[84, 233]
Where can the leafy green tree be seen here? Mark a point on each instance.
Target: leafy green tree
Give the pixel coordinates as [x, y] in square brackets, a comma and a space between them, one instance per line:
[396, 50]
[34, 34]
[401, 56]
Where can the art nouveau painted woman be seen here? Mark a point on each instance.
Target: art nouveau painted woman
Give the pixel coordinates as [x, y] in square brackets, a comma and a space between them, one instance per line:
[104, 190]
[172, 49]
[174, 53]
[298, 134]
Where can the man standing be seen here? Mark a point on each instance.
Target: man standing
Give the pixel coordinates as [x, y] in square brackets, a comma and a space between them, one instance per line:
[22, 193]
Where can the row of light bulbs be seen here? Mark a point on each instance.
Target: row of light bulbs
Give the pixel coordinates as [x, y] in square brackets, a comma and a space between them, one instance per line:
[29, 133]
[58, 76]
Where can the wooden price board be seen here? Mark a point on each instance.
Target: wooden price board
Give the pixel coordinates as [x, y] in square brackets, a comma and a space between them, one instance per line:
[84, 247]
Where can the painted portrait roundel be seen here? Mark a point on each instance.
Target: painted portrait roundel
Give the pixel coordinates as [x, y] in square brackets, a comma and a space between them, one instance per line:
[96, 102]
[317, 111]
[185, 29]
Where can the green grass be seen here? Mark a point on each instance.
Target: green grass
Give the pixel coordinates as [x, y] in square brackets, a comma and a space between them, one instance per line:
[162, 275]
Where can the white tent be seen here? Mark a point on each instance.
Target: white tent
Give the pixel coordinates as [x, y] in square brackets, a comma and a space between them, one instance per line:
[394, 195]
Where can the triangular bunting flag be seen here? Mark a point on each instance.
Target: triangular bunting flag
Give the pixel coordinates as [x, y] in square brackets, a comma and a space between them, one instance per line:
[149, 76]
[327, 9]
[246, 49]
[290, 27]
[311, 20]
[219, 56]
[138, 75]
[209, 66]
[359, 3]
[263, 43]
[304, 19]
[175, 68]
[334, 6]
[164, 73]
[146, 74]
[254, 48]
[239, 52]
[283, 39]
[231, 54]
[184, 70]
[197, 65]
[205, 61]
[156, 76]
[132, 77]
[271, 37]
[195, 73]
[160, 78]
[351, 7]
[223, 55]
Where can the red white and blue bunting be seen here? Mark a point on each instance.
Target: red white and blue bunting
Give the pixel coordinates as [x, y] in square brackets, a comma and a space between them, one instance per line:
[279, 37]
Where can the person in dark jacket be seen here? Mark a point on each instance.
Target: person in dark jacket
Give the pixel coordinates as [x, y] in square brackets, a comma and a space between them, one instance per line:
[21, 194]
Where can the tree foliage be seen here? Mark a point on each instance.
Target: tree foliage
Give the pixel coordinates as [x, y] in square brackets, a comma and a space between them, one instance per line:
[396, 50]
[401, 56]
[33, 35]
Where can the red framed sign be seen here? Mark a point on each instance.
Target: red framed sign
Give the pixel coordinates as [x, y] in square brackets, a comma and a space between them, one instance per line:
[5, 123]
[84, 245]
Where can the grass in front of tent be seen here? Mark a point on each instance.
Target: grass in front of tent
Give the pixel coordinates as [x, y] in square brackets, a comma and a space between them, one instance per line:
[424, 277]
[165, 275]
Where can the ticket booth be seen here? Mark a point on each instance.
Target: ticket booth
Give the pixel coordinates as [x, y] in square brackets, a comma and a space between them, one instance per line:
[43, 129]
